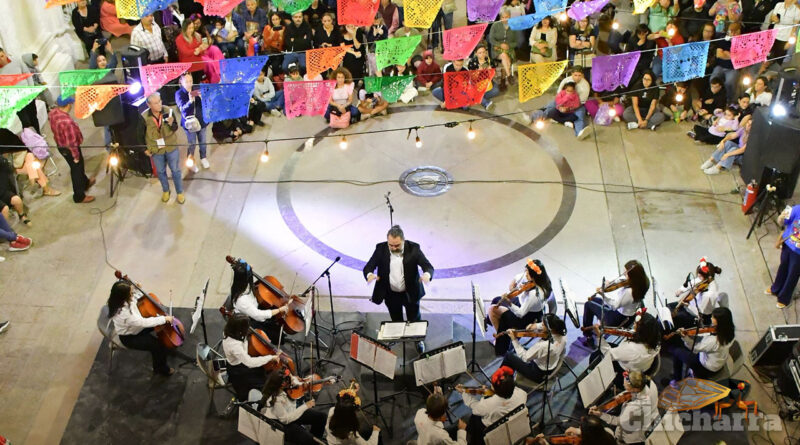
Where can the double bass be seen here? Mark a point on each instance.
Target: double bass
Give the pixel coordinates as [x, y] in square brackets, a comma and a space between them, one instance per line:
[270, 294]
[170, 335]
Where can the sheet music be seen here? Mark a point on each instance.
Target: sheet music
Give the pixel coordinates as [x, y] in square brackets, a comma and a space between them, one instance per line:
[307, 311]
[516, 427]
[366, 352]
[445, 364]
[416, 329]
[392, 330]
[455, 361]
[597, 381]
[248, 424]
[385, 362]
[480, 314]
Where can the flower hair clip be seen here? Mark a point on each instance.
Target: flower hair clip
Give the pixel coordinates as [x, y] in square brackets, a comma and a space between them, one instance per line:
[703, 265]
[349, 392]
[534, 267]
[500, 373]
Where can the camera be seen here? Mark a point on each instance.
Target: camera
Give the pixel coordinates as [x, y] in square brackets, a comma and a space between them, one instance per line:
[101, 41]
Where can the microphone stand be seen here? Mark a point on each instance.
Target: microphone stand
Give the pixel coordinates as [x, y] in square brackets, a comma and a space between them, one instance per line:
[391, 209]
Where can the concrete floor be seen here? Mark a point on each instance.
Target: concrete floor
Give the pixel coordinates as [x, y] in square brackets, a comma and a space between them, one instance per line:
[477, 231]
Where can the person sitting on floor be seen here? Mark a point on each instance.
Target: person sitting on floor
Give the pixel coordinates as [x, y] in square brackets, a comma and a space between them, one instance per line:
[343, 98]
[430, 419]
[673, 102]
[371, 104]
[455, 66]
[710, 100]
[567, 101]
[729, 150]
[583, 88]
[643, 112]
[486, 411]
[16, 243]
[537, 362]
[265, 98]
[8, 193]
[429, 73]
[727, 123]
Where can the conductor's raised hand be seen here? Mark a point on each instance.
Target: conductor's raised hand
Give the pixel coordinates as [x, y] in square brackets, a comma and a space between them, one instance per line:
[372, 277]
[425, 278]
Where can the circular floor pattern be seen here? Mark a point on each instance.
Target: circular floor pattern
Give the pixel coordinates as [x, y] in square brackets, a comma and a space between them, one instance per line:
[426, 181]
[562, 215]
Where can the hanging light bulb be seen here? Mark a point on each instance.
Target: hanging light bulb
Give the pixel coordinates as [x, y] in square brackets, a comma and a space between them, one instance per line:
[265, 156]
[539, 124]
[670, 32]
[470, 132]
[190, 162]
[746, 80]
[562, 17]
[343, 143]
[113, 160]
[612, 111]
[418, 141]
[615, 26]
[36, 164]
[679, 97]
[792, 40]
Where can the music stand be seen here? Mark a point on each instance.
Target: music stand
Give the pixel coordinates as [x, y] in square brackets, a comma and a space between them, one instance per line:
[258, 427]
[377, 357]
[440, 363]
[478, 320]
[570, 307]
[198, 315]
[510, 428]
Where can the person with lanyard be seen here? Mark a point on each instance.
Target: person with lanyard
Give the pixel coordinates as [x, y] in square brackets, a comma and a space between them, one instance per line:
[135, 331]
[789, 269]
[162, 145]
[537, 362]
[276, 404]
[704, 355]
[343, 426]
[68, 138]
[637, 414]
[243, 301]
[487, 410]
[430, 419]
[618, 306]
[706, 296]
[245, 372]
[637, 353]
[534, 288]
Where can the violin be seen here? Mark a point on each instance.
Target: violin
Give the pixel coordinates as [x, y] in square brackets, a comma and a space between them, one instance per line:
[478, 390]
[700, 287]
[270, 294]
[170, 335]
[524, 287]
[616, 284]
[563, 439]
[523, 333]
[611, 331]
[618, 400]
[310, 385]
[693, 331]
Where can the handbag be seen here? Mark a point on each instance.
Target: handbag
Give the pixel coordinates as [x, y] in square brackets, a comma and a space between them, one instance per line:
[340, 120]
[191, 123]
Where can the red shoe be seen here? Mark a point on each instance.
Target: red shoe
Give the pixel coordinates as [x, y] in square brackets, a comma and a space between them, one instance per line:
[17, 245]
[24, 241]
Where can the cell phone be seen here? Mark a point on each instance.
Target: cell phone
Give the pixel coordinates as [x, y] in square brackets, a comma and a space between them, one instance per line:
[205, 40]
[277, 28]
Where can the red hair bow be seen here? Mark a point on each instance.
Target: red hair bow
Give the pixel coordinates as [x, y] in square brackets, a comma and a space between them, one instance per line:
[500, 373]
[704, 265]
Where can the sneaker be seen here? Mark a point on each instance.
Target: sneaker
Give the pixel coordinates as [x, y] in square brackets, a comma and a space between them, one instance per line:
[194, 168]
[260, 123]
[780, 305]
[16, 246]
[691, 134]
[181, 198]
[205, 163]
[553, 121]
[768, 291]
[584, 133]
[527, 118]
[421, 88]
[489, 105]
[569, 125]
[653, 128]
[22, 240]
[2, 258]
[4, 325]
[707, 164]
[712, 170]
[275, 112]
[632, 125]
[164, 196]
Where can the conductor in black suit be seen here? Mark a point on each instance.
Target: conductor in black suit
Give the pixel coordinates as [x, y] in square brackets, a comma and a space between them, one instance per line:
[399, 283]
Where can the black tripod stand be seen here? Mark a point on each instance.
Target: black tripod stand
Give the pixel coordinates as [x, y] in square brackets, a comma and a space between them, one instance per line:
[115, 169]
[473, 365]
[765, 200]
[391, 209]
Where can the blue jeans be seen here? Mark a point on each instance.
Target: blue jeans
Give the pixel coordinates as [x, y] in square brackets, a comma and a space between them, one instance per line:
[594, 309]
[438, 93]
[171, 158]
[194, 138]
[726, 163]
[730, 76]
[233, 49]
[299, 58]
[487, 96]
[437, 26]
[5, 230]
[549, 112]
[276, 102]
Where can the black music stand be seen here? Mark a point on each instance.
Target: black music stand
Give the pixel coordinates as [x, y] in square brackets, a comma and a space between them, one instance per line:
[376, 401]
[473, 365]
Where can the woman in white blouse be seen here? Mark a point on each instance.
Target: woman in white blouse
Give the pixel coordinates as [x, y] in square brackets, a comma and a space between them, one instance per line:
[620, 305]
[706, 354]
[637, 353]
[135, 331]
[760, 94]
[343, 98]
[543, 41]
[244, 371]
[637, 414]
[537, 362]
[278, 406]
[342, 426]
[487, 410]
[703, 303]
[525, 308]
[245, 302]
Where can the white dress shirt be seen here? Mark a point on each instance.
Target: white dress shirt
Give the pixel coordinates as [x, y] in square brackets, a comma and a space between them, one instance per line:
[712, 354]
[129, 321]
[630, 355]
[788, 18]
[397, 279]
[528, 302]
[285, 410]
[432, 432]
[538, 352]
[236, 354]
[636, 416]
[354, 439]
[150, 40]
[705, 300]
[248, 305]
[621, 300]
[492, 408]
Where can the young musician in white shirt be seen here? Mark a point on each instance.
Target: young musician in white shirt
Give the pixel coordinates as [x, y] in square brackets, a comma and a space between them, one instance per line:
[541, 359]
[637, 353]
[487, 410]
[636, 414]
[524, 309]
[244, 371]
[710, 351]
[621, 304]
[703, 303]
[244, 302]
[430, 422]
[343, 426]
[278, 406]
[135, 331]
[591, 428]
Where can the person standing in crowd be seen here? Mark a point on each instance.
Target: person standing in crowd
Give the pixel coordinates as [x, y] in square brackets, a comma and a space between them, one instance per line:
[692, 18]
[376, 32]
[784, 16]
[789, 269]
[16, 242]
[398, 282]
[297, 39]
[191, 105]
[109, 20]
[32, 63]
[68, 138]
[86, 21]
[391, 15]
[162, 145]
[147, 35]
[725, 12]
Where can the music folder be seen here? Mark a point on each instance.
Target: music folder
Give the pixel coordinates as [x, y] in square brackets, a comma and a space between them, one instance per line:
[510, 428]
[597, 381]
[440, 364]
[372, 354]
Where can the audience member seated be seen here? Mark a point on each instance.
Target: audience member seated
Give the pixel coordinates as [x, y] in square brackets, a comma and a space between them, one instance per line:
[671, 106]
[254, 19]
[668, 37]
[410, 92]
[106, 59]
[567, 101]
[452, 67]
[376, 32]
[725, 12]
[729, 151]
[481, 61]
[711, 100]
[8, 192]
[659, 14]
[744, 109]
[204, 29]
[723, 66]
[231, 130]
[227, 37]
[692, 18]
[543, 41]
[504, 41]
[640, 42]
[725, 123]
[390, 14]
[16, 243]
[581, 39]
[371, 104]
[313, 15]
[760, 94]
[343, 98]
[25, 161]
[644, 111]
[296, 40]
[86, 21]
[110, 22]
[147, 34]
[583, 89]
[327, 33]
[272, 43]
[265, 98]
[355, 59]
[429, 74]
[203, 56]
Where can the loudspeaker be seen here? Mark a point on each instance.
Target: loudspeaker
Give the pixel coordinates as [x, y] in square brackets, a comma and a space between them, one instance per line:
[776, 178]
[788, 91]
[133, 56]
[776, 344]
[788, 381]
[770, 145]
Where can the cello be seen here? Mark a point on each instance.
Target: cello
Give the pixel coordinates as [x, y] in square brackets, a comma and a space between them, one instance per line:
[170, 335]
[270, 294]
[259, 345]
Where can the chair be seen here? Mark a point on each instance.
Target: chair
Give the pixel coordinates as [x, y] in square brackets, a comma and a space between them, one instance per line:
[722, 300]
[106, 328]
[733, 364]
[546, 385]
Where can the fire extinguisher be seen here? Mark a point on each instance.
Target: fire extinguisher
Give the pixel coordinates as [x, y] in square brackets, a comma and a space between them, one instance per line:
[749, 197]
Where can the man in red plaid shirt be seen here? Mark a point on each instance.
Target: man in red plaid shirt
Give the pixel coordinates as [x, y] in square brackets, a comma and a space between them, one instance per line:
[69, 139]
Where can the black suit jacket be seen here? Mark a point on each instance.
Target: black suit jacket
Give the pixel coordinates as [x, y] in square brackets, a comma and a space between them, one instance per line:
[413, 259]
